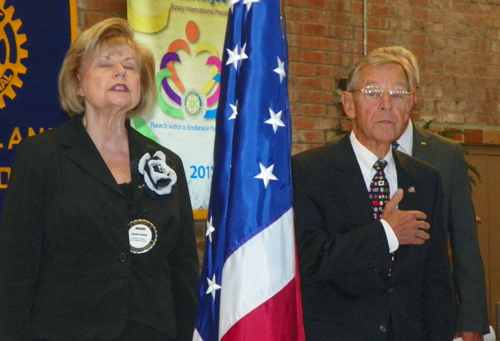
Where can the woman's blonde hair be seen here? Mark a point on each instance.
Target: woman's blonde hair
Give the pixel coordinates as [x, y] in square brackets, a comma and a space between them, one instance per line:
[114, 33]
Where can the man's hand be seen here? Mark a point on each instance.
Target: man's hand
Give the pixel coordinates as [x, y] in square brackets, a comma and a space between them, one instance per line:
[409, 226]
[469, 336]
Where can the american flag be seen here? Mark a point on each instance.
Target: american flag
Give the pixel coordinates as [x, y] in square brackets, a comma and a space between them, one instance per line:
[249, 287]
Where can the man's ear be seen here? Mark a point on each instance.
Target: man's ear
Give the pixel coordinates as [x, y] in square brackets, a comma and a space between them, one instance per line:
[415, 100]
[412, 101]
[348, 104]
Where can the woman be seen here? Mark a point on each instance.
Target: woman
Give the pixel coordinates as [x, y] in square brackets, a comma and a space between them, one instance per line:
[97, 237]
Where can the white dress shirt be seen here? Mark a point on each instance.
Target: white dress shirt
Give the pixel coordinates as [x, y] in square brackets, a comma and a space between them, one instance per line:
[366, 159]
[406, 140]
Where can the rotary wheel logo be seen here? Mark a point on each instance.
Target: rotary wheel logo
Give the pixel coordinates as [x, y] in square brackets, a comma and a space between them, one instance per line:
[11, 53]
[194, 104]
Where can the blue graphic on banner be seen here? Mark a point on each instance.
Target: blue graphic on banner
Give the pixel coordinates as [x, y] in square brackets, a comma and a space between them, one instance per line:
[34, 37]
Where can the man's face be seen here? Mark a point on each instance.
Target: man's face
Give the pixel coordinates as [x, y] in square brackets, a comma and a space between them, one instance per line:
[378, 122]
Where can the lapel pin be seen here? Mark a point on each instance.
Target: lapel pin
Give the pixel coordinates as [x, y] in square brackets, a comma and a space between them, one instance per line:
[423, 143]
[411, 189]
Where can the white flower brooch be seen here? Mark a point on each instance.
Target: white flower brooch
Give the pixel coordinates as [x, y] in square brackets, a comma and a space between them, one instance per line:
[158, 176]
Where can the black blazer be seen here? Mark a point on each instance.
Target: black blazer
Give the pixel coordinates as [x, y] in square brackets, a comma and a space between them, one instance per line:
[66, 270]
[460, 220]
[343, 253]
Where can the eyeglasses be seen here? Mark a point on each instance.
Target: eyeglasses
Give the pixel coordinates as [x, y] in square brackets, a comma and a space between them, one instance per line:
[374, 94]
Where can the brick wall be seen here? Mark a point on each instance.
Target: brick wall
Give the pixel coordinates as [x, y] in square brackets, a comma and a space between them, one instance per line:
[93, 11]
[456, 41]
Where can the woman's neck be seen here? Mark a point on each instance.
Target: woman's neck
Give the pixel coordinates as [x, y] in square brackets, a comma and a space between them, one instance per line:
[105, 129]
[110, 137]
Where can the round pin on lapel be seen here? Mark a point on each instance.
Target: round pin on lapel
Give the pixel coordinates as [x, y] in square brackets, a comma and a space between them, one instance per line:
[142, 235]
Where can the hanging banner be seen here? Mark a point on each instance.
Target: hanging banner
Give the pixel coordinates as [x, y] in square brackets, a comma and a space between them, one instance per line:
[186, 38]
[34, 37]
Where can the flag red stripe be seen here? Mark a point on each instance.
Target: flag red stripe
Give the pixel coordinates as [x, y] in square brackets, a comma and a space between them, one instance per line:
[271, 320]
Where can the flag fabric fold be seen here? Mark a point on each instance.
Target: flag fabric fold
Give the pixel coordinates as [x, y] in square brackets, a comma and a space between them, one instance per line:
[249, 287]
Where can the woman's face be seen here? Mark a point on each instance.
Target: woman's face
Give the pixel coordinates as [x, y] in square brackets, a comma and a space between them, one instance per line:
[110, 81]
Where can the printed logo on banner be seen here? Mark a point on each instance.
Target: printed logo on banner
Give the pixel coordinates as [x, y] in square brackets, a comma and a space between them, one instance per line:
[191, 103]
[11, 53]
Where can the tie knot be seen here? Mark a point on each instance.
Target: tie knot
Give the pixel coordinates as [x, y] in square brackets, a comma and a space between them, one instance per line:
[380, 164]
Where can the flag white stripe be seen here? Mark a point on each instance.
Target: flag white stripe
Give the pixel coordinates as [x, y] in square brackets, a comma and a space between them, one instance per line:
[196, 335]
[257, 271]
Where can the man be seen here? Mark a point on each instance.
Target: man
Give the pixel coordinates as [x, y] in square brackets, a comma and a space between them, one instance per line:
[460, 218]
[366, 278]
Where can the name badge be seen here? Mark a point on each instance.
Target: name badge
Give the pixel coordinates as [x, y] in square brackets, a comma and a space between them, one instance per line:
[142, 235]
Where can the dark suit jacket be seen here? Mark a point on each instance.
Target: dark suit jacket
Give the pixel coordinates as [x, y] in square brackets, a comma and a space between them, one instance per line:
[460, 220]
[66, 270]
[343, 253]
